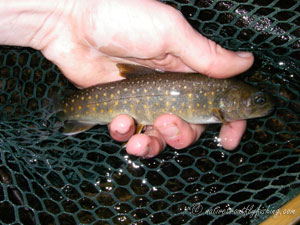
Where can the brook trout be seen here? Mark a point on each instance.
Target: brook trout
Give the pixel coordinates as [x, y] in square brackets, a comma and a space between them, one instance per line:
[146, 93]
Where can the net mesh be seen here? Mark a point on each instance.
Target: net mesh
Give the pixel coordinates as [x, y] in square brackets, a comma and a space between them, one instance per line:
[49, 178]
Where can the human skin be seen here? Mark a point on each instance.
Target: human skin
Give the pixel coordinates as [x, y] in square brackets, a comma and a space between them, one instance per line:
[86, 39]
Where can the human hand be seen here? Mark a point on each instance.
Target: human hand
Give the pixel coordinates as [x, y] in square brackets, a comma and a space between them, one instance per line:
[92, 36]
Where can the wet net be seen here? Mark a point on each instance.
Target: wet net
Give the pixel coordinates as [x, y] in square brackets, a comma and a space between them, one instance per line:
[49, 178]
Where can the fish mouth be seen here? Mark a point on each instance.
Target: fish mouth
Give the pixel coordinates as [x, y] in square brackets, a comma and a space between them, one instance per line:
[270, 110]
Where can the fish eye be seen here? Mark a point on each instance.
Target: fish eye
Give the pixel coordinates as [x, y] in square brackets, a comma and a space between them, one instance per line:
[259, 99]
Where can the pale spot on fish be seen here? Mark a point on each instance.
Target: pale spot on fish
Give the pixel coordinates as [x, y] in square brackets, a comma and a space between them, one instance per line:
[116, 103]
[200, 92]
[145, 106]
[145, 90]
[97, 104]
[104, 103]
[125, 89]
[67, 104]
[167, 103]
[190, 95]
[198, 105]
[190, 107]
[125, 102]
[210, 102]
[182, 104]
[167, 92]
[90, 97]
[73, 100]
[97, 96]
[133, 92]
[157, 104]
[111, 95]
[82, 98]
[118, 92]
[138, 101]
[104, 94]
[205, 94]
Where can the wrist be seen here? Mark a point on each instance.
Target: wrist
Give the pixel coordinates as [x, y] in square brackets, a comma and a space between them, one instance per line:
[31, 23]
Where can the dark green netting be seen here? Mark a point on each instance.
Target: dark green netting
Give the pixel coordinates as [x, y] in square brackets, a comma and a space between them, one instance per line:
[49, 178]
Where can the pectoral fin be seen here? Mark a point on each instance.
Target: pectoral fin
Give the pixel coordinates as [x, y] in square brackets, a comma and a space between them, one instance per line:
[74, 127]
[218, 114]
[138, 130]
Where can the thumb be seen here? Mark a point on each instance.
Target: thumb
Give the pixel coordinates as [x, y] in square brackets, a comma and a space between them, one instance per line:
[209, 58]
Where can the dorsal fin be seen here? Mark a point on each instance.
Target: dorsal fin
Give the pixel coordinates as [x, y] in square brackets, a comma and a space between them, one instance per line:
[131, 70]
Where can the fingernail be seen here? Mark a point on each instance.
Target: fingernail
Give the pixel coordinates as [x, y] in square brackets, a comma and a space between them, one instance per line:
[169, 132]
[122, 130]
[146, 151]
[244, 54]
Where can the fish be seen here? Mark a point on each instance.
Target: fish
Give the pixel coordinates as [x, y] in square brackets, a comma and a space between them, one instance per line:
[145, 94]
